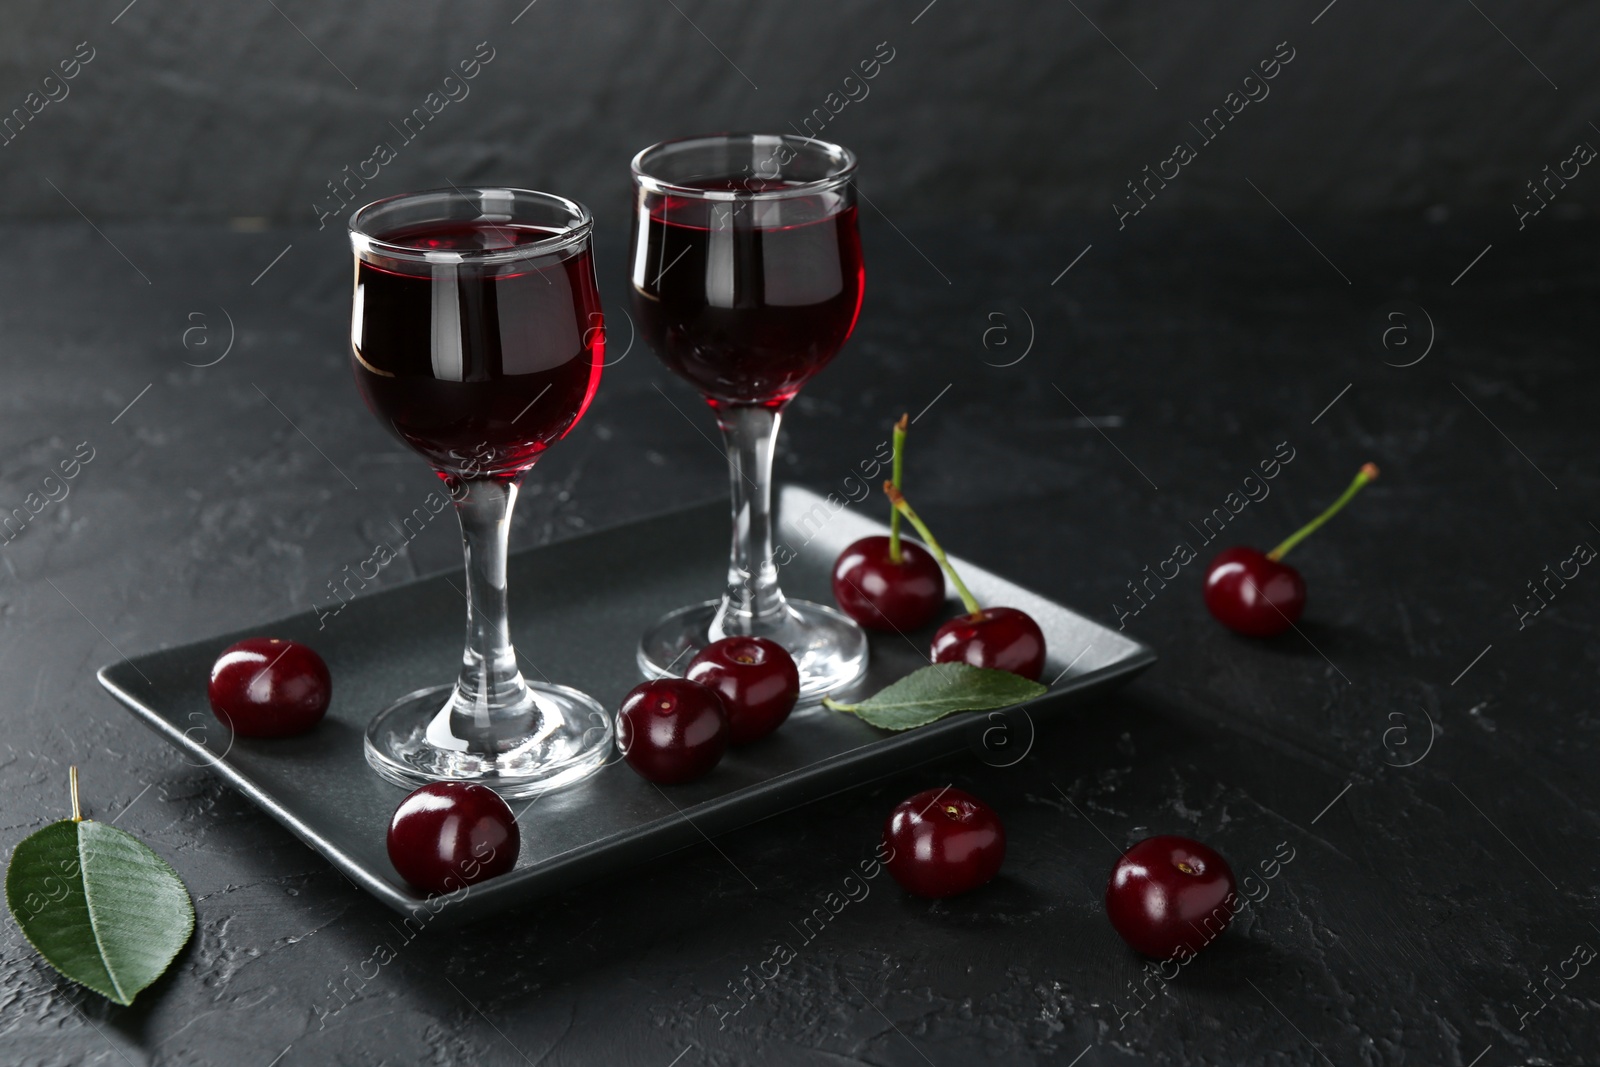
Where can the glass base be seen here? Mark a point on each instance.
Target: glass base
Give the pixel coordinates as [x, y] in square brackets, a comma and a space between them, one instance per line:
[829, 649]
[410, 743]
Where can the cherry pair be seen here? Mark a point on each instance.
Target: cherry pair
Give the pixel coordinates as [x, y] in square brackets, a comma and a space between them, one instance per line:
[888, 583]
[735, 691]
[1167, 896]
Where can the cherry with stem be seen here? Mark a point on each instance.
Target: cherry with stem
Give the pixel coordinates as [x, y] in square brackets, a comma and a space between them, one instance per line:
[1003, 639]
[1255, 593]
[889, 583]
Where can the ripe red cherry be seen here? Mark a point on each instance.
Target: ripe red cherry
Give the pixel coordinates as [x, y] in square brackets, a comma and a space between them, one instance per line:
[757, 680]
[943, 842]
[448, 835]
[1254, 595]
[888, 583]
[266, 687]
[672, 730]
[1003, 639]
[1169, 894]
[881, 594]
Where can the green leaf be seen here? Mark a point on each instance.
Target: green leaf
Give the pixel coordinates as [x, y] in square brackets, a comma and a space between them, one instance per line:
[99, 906]
[932, 692]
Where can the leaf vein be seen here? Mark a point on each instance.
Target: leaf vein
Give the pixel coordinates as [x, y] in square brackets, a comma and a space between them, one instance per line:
[94, 922]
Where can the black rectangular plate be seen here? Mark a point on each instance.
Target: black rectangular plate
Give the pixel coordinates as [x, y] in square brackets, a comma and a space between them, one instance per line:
[578, 607]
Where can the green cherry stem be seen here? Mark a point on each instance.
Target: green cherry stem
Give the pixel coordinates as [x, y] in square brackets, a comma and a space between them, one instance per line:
[72, 776]
[1367, 473]
[894, 513]
[902, 508]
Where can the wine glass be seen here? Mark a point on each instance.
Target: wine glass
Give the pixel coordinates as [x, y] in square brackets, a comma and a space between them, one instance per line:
[476, 335]
[747, 279]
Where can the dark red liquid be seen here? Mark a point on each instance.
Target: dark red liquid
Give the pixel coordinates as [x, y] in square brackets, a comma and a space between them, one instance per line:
[746, 313]
[479, 367]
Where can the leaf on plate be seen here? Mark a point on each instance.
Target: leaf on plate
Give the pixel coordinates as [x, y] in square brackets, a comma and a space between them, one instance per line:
[99, 906]
[930, 693]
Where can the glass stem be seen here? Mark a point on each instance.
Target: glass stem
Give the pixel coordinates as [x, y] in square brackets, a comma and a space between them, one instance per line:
[753, 603]
[491, 704]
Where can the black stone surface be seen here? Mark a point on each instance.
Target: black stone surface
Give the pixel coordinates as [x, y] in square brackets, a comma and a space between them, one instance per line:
[1421, 901]
[1012, 109]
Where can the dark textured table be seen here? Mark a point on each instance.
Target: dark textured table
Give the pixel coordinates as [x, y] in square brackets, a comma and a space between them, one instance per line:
[1423, 748]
